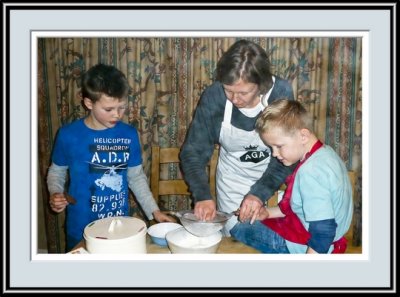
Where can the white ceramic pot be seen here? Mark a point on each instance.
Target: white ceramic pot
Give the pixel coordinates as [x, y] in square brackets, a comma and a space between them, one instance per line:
[116, 235]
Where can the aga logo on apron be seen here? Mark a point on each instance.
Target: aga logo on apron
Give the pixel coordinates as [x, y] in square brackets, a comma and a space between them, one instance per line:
[252, 155]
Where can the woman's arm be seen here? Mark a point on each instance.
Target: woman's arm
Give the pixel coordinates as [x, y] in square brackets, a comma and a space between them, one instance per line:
[198, 147]
[273, 177]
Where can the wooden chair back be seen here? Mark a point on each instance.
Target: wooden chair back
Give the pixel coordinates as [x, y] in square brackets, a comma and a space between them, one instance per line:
[353, 179]
[160, 187]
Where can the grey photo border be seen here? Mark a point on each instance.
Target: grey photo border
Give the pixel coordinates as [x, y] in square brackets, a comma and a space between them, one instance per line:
[372, 273]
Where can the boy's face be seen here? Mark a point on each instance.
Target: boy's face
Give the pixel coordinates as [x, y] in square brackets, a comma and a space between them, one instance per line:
[105, 112]
[288, 148]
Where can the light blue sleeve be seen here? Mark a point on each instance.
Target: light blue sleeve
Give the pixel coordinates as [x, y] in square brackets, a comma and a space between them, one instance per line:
[56, 178]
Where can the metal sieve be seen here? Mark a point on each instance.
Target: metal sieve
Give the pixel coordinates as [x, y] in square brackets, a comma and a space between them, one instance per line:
[202, 228]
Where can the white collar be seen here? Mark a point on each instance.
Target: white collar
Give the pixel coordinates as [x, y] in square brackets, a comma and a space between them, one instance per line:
[264, 99]
[253, 111]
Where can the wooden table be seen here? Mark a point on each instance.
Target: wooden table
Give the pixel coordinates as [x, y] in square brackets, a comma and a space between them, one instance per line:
[228, 245]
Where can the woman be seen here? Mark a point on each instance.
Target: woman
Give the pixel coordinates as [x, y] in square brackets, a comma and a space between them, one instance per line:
[247, 174]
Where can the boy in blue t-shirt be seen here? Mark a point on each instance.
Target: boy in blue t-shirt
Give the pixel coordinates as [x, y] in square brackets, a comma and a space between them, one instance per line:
[103, 157]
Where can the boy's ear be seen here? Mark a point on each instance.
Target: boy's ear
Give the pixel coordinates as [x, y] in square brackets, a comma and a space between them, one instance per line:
[305, 134]
[88, 103]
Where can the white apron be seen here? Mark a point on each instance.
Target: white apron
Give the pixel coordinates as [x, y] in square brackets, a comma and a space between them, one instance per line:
[242, 160]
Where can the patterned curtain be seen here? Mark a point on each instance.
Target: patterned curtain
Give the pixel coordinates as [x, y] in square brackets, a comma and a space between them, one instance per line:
[167, 77]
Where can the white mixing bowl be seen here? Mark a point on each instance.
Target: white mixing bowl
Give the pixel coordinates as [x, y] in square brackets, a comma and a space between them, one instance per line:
[180, 241]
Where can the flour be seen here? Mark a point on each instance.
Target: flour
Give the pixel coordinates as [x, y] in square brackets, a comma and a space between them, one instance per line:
[191, 241]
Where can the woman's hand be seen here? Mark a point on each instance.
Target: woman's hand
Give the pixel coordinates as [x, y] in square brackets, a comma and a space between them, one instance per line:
[205, 210]
[58, 202]
[162, 217]
[250, 208]
[263, 214]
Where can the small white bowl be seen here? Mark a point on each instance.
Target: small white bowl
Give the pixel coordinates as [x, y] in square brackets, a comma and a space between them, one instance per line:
[158, 232]
[181, 241]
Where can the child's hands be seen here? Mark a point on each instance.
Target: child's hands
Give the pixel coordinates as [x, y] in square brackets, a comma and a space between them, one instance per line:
[263, 214]
[162, 217]
[249, 208]
[58, 202]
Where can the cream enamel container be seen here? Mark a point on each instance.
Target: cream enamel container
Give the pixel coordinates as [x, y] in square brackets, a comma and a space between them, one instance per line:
[116, 235]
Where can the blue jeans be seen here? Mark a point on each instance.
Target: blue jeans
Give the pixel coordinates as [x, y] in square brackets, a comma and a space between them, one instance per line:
[259, 237]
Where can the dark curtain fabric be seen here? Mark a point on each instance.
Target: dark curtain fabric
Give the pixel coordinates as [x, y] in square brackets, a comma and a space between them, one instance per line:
[167, 77]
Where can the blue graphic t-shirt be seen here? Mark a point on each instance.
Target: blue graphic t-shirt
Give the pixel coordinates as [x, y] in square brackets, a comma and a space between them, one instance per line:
[97, 161]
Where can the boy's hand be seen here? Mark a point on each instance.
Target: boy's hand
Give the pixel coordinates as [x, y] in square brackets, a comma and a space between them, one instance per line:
[263, 214]
[162, 217]
[250, 208]
[58, 202]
